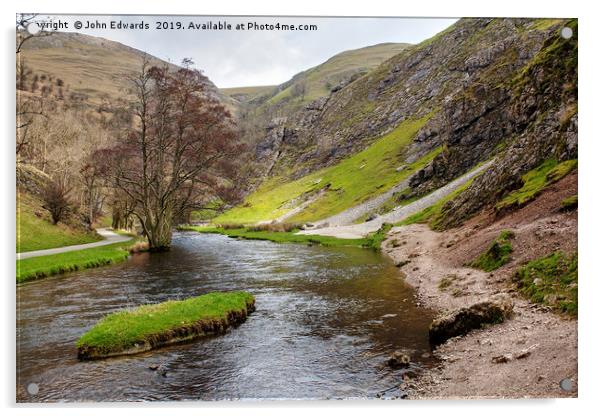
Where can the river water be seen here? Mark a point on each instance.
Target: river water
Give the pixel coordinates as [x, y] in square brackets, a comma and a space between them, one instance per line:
[326, 321]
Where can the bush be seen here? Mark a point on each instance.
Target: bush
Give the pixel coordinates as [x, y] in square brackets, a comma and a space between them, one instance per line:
[275, 227]
[56, 200]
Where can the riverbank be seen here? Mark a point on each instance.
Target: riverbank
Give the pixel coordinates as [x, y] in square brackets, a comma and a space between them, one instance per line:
[372, 241]
[67, 260]
[153, 326]
[525, 356]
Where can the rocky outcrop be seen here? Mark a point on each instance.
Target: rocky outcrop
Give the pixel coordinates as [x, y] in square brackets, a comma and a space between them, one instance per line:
[538, 121]
[461, 321]
[462, 78]
[31, 179]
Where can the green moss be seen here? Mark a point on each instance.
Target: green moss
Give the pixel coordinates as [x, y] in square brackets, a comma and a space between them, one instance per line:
[122, 330]
[560, 171]
[497, 254]
[535, 181]
[351, 181]
[545, 24]
[569, 204]
[44, 266]
[551, 280]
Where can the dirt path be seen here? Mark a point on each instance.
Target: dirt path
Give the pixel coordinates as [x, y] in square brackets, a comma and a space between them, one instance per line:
[399, 214]
[349, 215]
[110, 237]
[545, 342]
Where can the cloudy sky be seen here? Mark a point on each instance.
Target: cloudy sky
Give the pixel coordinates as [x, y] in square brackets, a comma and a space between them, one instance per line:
[237, 57]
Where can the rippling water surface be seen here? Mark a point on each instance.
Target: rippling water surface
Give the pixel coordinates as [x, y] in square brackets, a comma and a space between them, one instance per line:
[326, 320]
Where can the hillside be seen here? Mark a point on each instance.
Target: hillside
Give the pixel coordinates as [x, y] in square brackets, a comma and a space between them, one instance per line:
[35, 231]
[80, 84]
[93, 68]
[246, 94]
[456, 100]
[319, 81]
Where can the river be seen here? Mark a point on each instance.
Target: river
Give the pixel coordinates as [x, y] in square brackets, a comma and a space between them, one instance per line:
[326, 321]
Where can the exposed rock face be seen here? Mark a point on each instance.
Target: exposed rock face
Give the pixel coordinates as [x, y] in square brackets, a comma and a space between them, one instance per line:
[504, 88]
[461, 321]
[463, 77]
[538, 122]
[30, 179]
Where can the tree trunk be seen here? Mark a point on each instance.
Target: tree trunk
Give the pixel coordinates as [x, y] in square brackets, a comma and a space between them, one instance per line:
[159, 234]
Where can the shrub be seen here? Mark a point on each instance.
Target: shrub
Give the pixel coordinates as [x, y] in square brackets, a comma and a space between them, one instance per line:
[277, 227]
[56, 200]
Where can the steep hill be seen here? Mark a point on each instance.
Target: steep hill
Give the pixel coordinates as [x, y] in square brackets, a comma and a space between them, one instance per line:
[479, 89]
[319, 81]
[35, 231]
[93, 68]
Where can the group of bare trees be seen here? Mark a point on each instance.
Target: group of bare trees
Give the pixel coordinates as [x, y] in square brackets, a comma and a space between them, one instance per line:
[170, 149]
[179, 154]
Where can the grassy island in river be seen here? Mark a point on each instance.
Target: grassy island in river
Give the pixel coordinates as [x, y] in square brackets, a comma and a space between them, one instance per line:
[152, 326]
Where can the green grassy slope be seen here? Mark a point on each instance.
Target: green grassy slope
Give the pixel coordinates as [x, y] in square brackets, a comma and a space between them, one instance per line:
[351, 181]
[320, 79]
[36, 232]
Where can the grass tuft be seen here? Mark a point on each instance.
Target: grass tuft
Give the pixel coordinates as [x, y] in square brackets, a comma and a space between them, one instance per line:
[569, 204]
[378, 237]
[551, 280]
[497, 254]
[534, 182]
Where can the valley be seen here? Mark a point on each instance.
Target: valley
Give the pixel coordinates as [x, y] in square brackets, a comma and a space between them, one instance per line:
[451, 164]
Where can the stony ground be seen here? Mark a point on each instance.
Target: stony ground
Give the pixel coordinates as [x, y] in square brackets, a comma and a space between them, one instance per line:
[526, 356]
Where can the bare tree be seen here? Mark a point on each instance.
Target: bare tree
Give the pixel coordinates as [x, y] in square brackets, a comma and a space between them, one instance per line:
[299, 90]
[23, 20]
[181, 154]
[27, 107]
[56, 200]
[93, 195]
